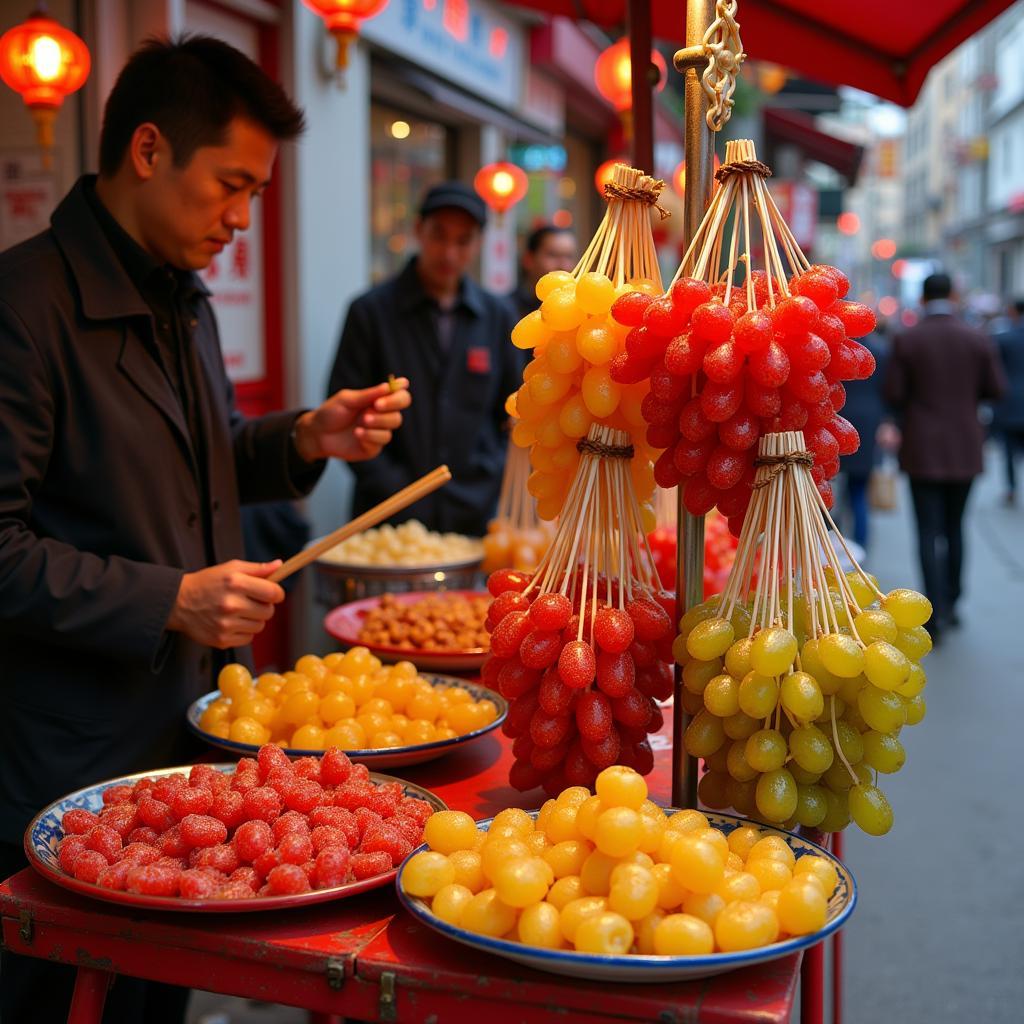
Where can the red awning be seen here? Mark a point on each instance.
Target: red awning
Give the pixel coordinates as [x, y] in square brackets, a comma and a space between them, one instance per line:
[881, 46]
[798, 129]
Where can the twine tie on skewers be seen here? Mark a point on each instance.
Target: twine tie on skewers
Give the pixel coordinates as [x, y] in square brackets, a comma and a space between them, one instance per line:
[649, 192]
[587, 446]
[743, 167]
[779, 463]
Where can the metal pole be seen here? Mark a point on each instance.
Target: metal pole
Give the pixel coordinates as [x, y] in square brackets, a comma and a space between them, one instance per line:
[641, 84]
[699, 149]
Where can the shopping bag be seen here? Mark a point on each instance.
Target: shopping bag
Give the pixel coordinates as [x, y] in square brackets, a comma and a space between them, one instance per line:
[882, 486]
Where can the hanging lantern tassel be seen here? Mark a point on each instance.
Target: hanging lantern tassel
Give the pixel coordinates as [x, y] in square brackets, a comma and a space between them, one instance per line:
[342, 19]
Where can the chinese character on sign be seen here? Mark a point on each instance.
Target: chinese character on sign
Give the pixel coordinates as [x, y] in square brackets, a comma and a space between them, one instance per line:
[456, 18]
[211, 272]
[240, 258]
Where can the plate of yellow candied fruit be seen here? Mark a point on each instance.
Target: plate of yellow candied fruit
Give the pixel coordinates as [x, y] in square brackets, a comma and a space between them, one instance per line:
[612, 887]
[380, 715]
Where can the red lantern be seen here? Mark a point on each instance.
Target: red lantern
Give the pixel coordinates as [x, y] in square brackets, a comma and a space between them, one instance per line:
[501, 185]
[605, 174]
[343, 18]
[614, 77]
[43, 62]
[679, 176]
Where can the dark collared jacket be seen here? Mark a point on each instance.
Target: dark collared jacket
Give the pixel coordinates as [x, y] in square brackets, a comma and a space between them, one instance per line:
[100, 516]
[458, 396]
[938, 372]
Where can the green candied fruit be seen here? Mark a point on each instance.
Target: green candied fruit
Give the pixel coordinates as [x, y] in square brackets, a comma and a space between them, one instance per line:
[710, 639]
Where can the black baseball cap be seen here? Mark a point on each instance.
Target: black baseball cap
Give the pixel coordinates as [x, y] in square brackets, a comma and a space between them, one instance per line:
[454, 195]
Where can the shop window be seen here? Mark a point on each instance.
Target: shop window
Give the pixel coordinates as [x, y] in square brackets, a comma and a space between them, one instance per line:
[408, 154]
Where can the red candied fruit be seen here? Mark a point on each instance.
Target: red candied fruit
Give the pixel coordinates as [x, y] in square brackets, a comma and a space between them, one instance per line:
[857, 318]
[302, 795]
[203, 830]
[720, 401]
[382, 802]
[827, 494]
[740, 431]
[290, 822]
[262, 804]
[116, 795]
[155, 813]
[661, 435]
[594, 715]
[205, 776]
[265, 863]
[515, 679]
[667, 386]
[548, 759]
[307, 768]
[115, 876]
[269, 757]
[369, 865]
[644, 345]
[365, 819]
[332, 866]
[335, 767]
[628, 309]
[819, 287]
[698, 495]
[616, 673]
[523, 776]
[692, 456]
[195, 884]
[139, 853]
[845, 434]
[551, 611]
[287, 880]
[387, 839]
[509, 634]
[553, 695]
[795, 314]
[77, 822]
[247, 875]
[712, 322]
[688, 293]
[166, 786]
[603, 753]
[223, 858]
[352, 795]
[723, 363]
[769, 366]
[693, 424]
[502, 580]
[809, 354]
[228, 807]
[154, 880]
[70, 849]
[295, 849]
[233, 891]
[520, 711]
[549, 730]
[634, 709]
[104, 840]
[540, 649]
[251, 839]
[122, 818]
[684, 355]
[663, 318]
[577, 768]
[656, 682]
[666, 476]
[760, 400]
[189, 800]
[324, 836]
[577, 665]
[506, 603]
[656, 412]
[650, 620]
[624, 369]
[753, 330]
[725, 468]
[613, 630]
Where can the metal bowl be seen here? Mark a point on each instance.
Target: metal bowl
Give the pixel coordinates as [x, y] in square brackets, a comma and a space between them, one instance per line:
[338, 583]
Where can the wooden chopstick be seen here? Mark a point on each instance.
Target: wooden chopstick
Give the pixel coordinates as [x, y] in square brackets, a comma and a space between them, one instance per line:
[387, 508]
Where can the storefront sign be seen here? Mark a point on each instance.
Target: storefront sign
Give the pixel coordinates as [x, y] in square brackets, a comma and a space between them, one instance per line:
[468, 42]
[235, 277]
[27, 197]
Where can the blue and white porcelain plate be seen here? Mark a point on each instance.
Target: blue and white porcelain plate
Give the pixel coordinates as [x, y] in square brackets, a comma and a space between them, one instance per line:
[390, 757]
[651, 969]
[44, 833]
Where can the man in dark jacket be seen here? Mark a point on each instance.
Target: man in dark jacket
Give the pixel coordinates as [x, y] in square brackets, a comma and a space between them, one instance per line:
[938, 372]
[546, 248]
[123, 460]
[1009, 413]
[438, 327]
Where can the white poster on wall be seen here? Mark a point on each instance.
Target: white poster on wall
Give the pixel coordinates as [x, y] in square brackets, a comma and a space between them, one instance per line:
[27, 196]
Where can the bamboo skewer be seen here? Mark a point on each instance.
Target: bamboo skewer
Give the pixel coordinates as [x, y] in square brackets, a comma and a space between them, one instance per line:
[387, 508]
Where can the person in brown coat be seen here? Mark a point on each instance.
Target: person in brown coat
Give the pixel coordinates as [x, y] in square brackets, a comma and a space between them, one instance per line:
[938, 372]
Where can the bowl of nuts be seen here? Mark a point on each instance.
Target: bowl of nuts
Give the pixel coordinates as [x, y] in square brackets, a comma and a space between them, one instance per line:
[439, 631]
[396, 559]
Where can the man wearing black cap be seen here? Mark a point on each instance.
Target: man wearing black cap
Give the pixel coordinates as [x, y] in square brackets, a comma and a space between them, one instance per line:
[435, 325]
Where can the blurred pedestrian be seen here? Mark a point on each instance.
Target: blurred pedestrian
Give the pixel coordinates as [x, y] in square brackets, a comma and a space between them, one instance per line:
[546, 248]
[938, 372]
[1009, 414]
[435, 325]
[865, 409]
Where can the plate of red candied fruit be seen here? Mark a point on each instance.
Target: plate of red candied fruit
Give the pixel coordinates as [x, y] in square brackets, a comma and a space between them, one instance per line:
[263, 834]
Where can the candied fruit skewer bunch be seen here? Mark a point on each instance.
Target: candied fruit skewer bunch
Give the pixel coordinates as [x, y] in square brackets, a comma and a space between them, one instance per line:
[799, 684]
[615, 874]
[569, 384]
[582, 648]
[733, 355]
[516, 537]
[271, 827]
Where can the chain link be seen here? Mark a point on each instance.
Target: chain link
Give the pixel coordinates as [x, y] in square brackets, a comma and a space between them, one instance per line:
[725, 55]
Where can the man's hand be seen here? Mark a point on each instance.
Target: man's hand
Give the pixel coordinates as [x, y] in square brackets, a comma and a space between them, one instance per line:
[352, 425]
[226, 605]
